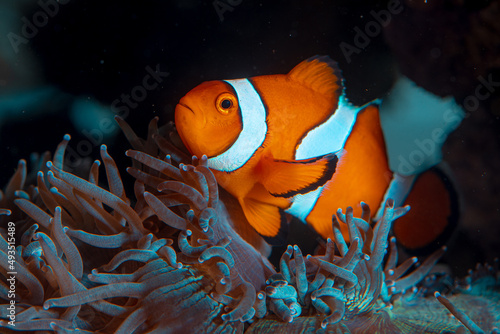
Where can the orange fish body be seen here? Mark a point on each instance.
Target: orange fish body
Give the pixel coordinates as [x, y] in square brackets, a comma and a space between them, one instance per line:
[292, 143]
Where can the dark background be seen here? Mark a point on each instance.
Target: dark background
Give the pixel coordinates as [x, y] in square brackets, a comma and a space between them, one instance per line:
[98, 50]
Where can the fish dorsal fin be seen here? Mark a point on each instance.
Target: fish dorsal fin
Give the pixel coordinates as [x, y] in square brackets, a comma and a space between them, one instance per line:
[319, 73]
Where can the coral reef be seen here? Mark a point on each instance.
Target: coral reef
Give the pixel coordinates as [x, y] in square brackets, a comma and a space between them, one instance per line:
[94, 260]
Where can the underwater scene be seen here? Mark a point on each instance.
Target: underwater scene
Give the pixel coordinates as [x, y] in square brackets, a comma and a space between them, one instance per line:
[241, 166]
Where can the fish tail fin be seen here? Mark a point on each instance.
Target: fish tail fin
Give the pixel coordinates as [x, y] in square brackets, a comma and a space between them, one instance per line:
[434, 214]
[416, 123]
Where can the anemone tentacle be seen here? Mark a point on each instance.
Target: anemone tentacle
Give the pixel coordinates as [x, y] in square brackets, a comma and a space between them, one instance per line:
[93, 259]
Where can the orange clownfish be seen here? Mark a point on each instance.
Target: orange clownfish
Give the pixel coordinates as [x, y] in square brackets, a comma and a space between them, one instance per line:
[293, 144]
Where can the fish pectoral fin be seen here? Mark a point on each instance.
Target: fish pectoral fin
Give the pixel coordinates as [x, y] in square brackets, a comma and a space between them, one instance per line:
[268, 220]
[288, 178]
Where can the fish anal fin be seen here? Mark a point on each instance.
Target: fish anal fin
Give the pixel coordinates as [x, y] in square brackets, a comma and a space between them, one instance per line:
[267, 219]
[433, 216]
[284, 178]
[319, 73]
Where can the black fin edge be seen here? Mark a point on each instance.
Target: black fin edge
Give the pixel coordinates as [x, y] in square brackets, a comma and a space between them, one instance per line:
[453, 219]
[327, 175]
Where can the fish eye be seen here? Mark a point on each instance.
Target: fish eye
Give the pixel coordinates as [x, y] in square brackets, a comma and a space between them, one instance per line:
[226, 103]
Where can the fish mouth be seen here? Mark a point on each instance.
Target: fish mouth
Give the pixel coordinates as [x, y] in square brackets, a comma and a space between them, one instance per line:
[185, 106]
[184, 115]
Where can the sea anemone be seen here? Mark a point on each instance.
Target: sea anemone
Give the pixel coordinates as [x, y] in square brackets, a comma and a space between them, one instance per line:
[86, 258]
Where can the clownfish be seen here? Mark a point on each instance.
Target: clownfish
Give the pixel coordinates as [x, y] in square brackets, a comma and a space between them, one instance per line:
[293, 144]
